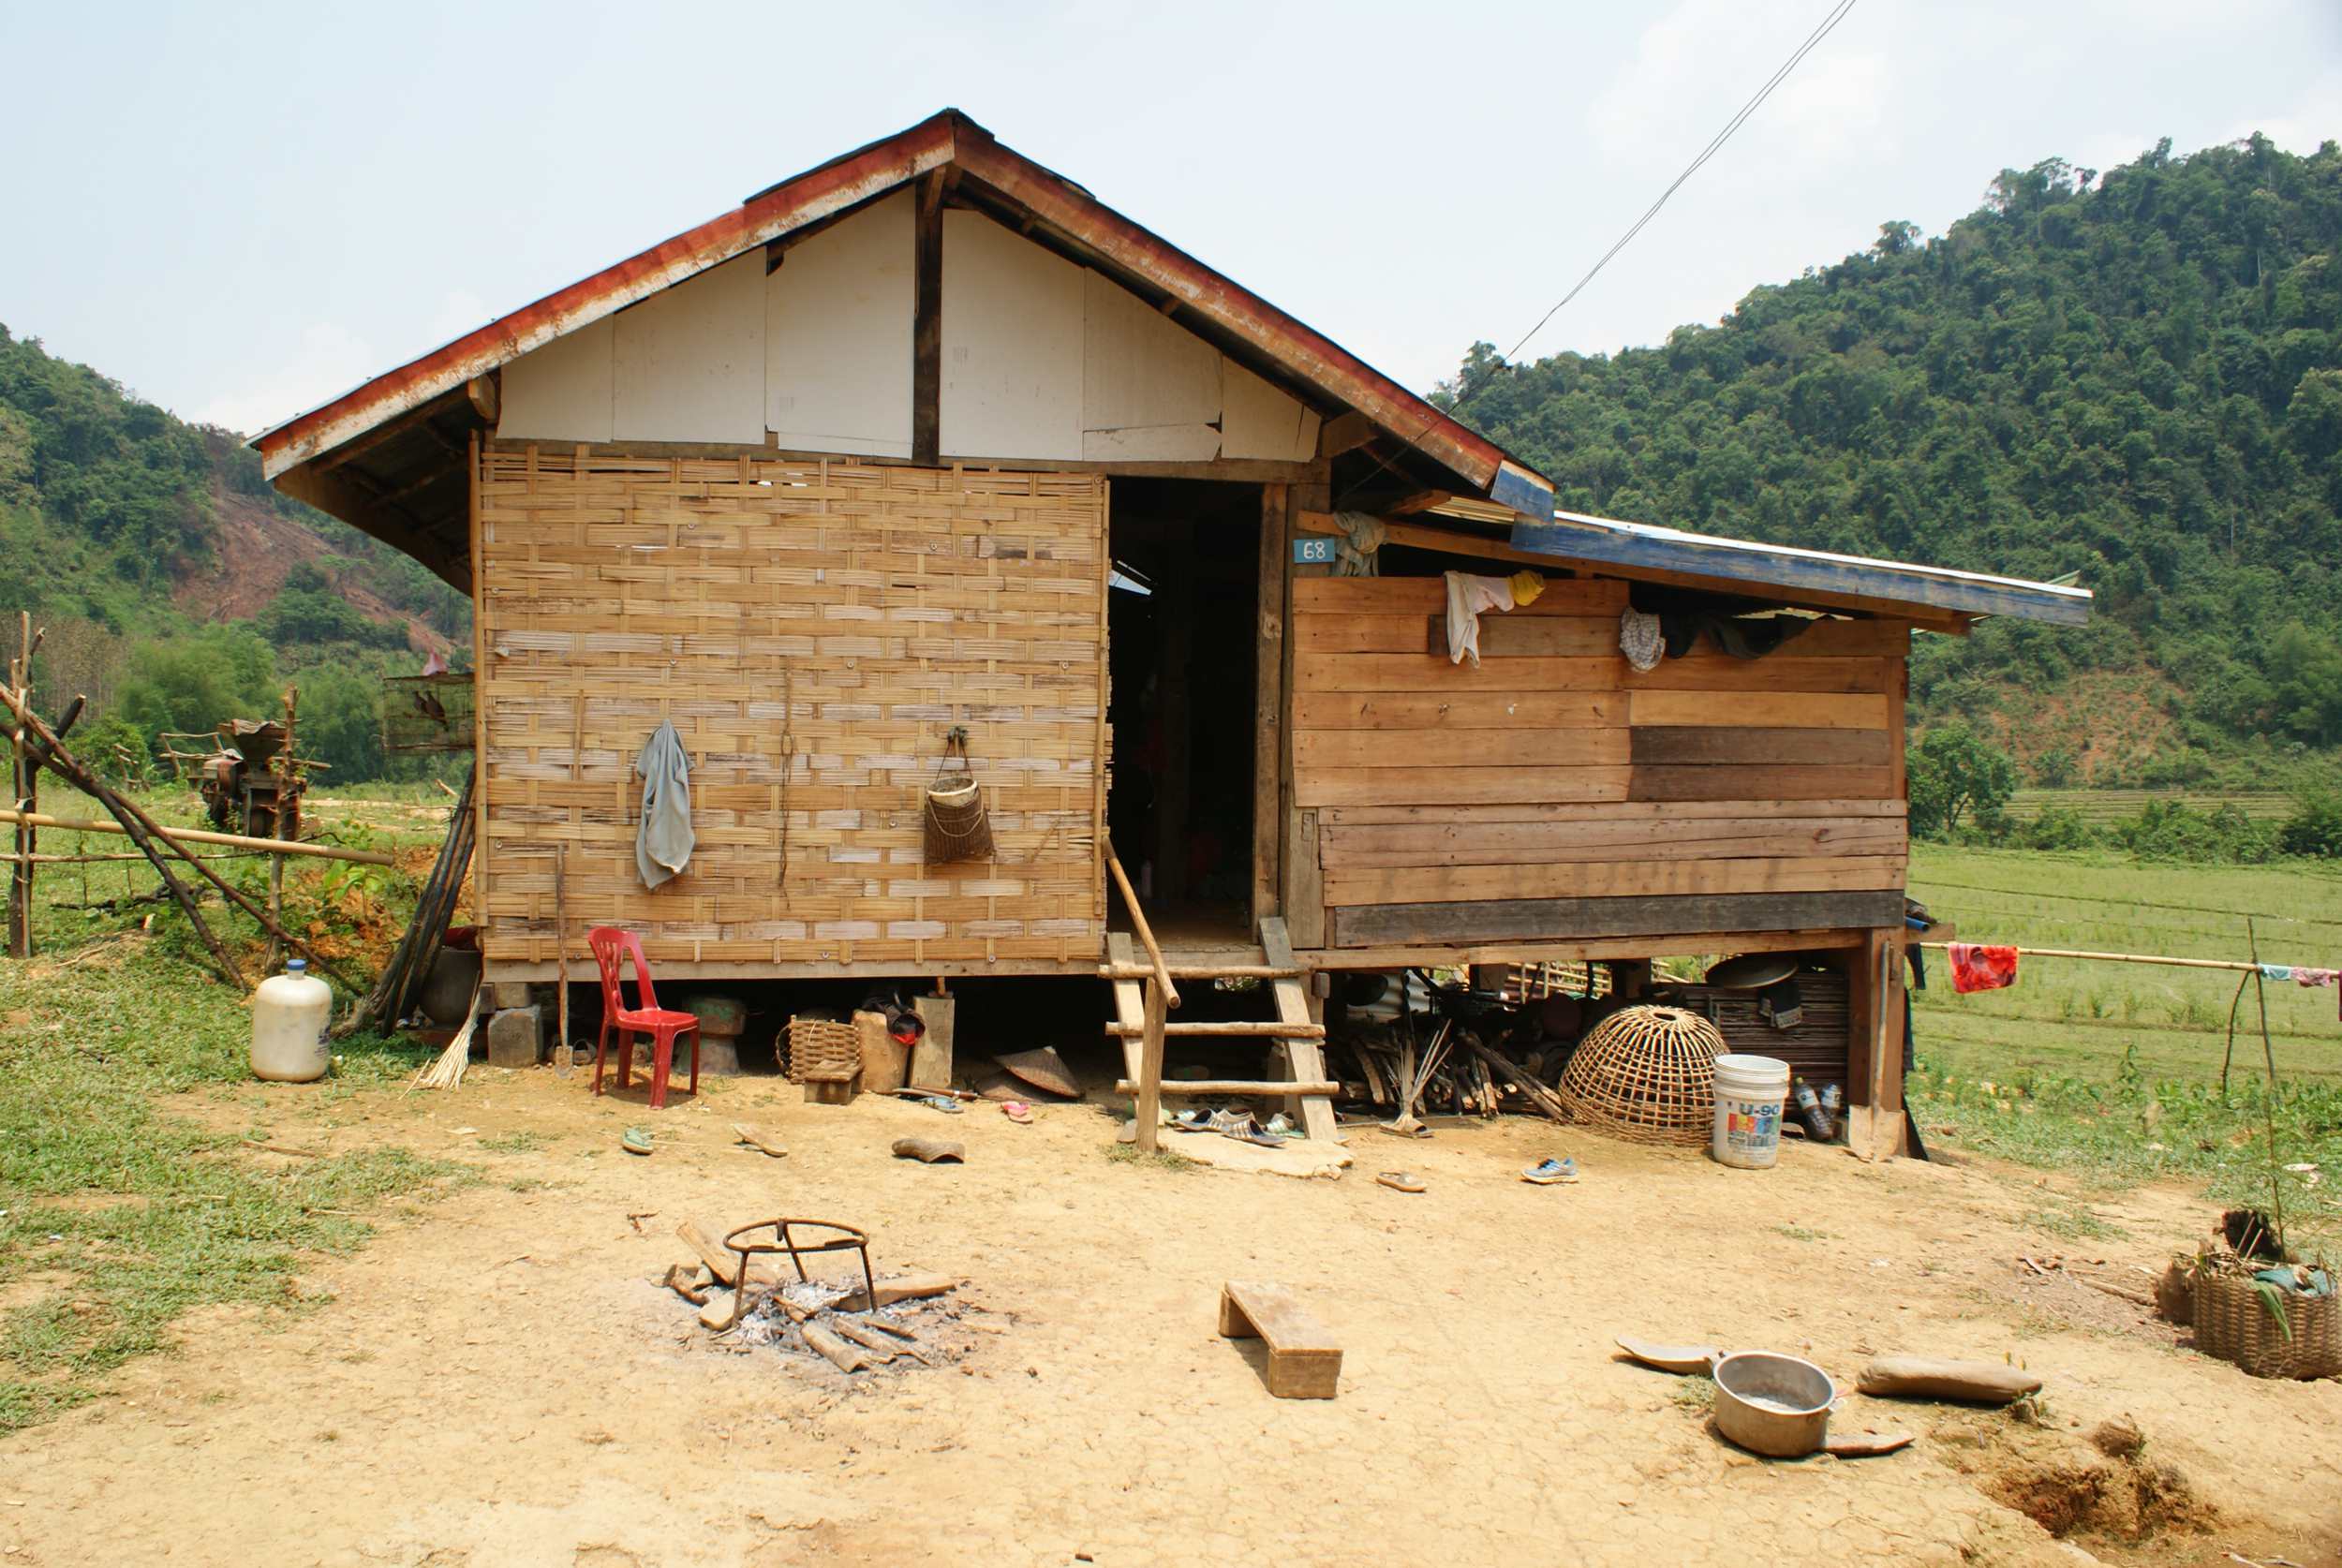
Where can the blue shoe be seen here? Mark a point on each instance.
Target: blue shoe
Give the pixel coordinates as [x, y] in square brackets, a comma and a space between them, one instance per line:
[1550, 1172]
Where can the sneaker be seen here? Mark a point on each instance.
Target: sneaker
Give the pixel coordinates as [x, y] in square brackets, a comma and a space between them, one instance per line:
[1550, 1172]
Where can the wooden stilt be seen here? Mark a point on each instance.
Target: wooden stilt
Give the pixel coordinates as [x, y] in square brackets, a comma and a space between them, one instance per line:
[1151, 1069]
[27, 799]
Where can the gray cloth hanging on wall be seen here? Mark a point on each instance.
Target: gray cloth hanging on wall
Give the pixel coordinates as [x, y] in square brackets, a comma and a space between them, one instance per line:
[662, 845]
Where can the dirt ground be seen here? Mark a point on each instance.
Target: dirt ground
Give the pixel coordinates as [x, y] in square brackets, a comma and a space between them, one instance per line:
[497, 1379]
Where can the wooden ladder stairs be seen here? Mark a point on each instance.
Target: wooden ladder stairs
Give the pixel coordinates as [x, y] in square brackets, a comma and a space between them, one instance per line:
[1141, 1023]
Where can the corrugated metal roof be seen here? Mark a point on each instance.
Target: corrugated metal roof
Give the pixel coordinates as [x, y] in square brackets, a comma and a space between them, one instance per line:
[1572, 536]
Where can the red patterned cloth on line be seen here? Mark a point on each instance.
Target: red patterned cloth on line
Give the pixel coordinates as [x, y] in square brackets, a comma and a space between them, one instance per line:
[1982, 969]
[2319, 977]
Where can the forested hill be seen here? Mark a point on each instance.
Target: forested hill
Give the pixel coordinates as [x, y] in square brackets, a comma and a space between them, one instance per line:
[2136, 377]
[177, 589]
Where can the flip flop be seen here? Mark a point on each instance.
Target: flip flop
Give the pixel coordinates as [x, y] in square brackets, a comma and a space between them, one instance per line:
[750, 1135]
[1018, 1111]
[635, 1140]
[1402, 1181]
[1550, 1172]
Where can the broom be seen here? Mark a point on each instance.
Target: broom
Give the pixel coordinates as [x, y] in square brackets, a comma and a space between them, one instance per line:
[448, 1071]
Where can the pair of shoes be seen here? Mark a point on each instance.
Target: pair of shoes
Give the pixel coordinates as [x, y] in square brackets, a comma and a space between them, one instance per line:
[943, 1102]
[635, 1140]
[1017, 1111]
[1240, 1126]
[1551, 1172]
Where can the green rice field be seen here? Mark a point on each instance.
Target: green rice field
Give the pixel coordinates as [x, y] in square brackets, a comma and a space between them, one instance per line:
[2080, 1019]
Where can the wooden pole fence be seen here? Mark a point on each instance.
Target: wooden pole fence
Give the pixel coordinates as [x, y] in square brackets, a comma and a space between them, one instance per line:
[177, 836]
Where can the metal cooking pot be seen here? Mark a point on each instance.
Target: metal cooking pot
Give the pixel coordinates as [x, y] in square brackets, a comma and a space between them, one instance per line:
[1771, 1404]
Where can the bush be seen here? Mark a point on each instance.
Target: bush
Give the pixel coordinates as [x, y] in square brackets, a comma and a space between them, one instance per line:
[113, 748]
[2058, 827]
[2314, 828]
[2174, 831]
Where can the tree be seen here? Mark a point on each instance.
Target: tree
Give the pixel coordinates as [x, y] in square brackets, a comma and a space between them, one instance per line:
[1956, 773]
[340, 723]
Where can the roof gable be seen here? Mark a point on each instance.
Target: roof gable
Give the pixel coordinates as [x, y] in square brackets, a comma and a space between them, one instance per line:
[1207, 302]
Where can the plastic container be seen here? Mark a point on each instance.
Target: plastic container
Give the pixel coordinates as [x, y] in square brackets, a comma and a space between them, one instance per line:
[1771, 1404]
[289, 1014]
[1749, 1092]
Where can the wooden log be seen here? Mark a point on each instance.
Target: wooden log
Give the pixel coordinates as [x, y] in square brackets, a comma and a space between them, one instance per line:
[908, 1287]
[179, 835]
[1549, 1105]
[844, 1357]
[1928, 1377]
[881, 1348]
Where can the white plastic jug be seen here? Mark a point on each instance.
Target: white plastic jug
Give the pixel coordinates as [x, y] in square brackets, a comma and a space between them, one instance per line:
[1749, 1092]
[289, 1013]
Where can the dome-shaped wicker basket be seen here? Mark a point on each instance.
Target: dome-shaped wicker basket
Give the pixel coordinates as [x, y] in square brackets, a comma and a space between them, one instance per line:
[1648, 1074]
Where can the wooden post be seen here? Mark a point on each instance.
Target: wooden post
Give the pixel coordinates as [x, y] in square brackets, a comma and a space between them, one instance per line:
[1151, 1069]
[27, 800]
[1268, 704]
[1303, 884]
[282, 768]
[1874, 1053]
[561, 951]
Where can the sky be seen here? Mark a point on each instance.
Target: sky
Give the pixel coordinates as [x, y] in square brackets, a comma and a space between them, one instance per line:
[240, 211]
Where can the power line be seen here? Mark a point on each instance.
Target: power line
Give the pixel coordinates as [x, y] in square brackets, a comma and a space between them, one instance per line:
[1828, 23]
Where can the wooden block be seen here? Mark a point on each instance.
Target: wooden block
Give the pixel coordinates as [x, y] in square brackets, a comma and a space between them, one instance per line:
[931, 1058]
[845, 1357]
[832, 1093]
[909, 1287]
[515, 1036]
[1556, 919]
[1304, 1362]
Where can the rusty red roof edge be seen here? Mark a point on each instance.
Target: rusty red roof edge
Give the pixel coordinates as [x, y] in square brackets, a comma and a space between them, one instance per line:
[943, 138]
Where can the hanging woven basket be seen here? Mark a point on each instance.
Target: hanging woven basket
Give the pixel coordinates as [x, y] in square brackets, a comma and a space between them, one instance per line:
[958, 828]
[1647, 1074]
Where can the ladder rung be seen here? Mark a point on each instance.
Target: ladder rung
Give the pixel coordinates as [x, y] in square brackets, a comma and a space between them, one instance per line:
[1201, 972]
[1230, 1085]
[1268, 1029]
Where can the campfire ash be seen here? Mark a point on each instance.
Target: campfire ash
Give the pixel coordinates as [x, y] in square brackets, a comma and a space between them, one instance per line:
[911, 1320]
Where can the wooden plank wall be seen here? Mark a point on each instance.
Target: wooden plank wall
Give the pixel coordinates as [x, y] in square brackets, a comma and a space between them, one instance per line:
[1552, 792]
[812, 628]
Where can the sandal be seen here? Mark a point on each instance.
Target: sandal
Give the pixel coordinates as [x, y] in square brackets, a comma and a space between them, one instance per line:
[1549, 1171]
[1018, 1111]
[635, 1140]
[1402, 1181]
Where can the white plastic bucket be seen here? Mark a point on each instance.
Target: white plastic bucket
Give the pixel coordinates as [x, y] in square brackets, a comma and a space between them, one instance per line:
[1749, 1094]
[290, 1012]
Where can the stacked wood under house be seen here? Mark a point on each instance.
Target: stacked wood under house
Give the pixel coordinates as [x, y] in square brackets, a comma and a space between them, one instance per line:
[929, 440]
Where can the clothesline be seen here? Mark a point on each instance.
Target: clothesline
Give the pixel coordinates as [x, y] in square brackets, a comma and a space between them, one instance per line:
[2230, 965]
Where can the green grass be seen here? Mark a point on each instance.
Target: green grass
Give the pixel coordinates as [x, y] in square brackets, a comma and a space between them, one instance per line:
[119, 1211]
[2113, 1070]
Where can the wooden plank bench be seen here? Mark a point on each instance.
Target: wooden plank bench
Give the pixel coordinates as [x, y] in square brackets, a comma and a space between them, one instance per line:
[1304, 1362]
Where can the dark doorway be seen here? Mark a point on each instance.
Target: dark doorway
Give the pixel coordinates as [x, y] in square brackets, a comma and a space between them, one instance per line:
[1183, 626]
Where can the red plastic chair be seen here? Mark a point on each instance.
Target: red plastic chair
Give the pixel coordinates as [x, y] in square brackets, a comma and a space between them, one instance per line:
[661, 1023]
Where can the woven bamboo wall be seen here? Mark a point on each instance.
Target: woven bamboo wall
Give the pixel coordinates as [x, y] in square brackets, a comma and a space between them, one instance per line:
[811, 629]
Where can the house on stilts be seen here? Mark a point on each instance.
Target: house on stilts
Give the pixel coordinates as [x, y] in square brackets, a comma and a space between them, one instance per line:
[929, 439]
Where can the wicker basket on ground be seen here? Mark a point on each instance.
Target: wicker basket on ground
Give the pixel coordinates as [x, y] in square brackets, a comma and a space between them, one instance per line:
[823, 1050]
[2233, 1322]
[1647, 1074]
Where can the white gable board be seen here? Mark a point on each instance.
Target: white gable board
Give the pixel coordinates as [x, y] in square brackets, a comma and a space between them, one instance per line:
[837, 331]
[1262, 420]
[690, 360]
[1042, 361]
[1011, 345]
[561, 390]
